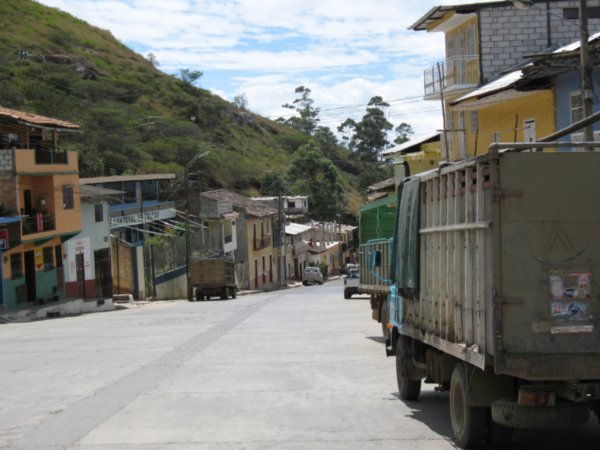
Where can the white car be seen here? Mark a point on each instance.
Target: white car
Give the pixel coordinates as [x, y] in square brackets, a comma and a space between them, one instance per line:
[312, 275]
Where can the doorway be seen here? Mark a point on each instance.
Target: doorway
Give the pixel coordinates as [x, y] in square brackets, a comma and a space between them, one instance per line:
[30, 276]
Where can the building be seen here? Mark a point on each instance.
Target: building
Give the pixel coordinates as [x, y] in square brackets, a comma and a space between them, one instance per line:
[297, 237]
[40, 194]
[414, 156]
[90, 250]
[143, 208]
[484, 42]
[256, 259]
[294, 208]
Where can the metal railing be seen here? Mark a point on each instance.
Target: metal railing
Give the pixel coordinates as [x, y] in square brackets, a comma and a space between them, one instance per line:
[38, 224]
[260, 243]
[43, 156]
[454, 71]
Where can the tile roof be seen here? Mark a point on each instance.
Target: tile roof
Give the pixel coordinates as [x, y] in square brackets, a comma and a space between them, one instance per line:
[251, 207]
[35, 119]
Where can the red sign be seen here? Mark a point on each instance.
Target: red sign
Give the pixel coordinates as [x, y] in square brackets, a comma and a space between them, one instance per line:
[39, 218]
[4, 240]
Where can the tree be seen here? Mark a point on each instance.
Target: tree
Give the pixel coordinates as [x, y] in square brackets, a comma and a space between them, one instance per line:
[274, 183]
[328, 142]
[314, 175]
[368, 137]
[404, 131]
[241, 101]
[308, 114]
[189, 76]
[152, 58]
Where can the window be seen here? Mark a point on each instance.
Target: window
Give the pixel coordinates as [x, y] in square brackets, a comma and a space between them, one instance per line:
[474, 122]
[98, 212]
[48, 258]
[573, 13]
[129, 188]
[576, 104]
[16, 266]
[149, 191]
[471, 50]
[58, 256]
[68, 202]
[450, 120]
[529, 130]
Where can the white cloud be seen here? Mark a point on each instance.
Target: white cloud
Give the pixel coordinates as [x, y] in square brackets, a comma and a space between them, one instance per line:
[346, 51]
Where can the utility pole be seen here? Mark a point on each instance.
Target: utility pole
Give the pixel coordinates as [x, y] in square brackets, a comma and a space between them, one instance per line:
[280, 235]
[187, 224]
[587, 94]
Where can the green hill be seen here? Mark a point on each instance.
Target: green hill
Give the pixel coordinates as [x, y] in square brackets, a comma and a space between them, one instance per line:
[135, 118]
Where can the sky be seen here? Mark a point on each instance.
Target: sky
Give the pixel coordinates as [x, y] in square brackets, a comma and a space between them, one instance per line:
[345, 51]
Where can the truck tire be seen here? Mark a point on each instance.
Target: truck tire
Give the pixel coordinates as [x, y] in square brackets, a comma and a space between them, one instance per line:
[509, 413]
[347, 295]
[407, 388]
[468, 422]
[233, 292]
[224, 293]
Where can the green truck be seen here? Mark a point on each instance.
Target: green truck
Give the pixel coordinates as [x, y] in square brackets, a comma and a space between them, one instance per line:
[376, 227]
[495, 291]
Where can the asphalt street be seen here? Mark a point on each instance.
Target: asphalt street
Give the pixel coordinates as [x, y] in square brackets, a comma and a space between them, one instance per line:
[292, 369]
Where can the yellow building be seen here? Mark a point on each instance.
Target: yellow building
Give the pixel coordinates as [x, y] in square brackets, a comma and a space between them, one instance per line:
[480, 83]
[39, 185]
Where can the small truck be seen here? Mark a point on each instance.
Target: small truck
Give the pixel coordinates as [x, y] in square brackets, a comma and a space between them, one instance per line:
[213, 278]
[374, 269]
[351, 283]
[495, 291]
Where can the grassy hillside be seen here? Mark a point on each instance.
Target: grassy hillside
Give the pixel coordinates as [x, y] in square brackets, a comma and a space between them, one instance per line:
[134, 118]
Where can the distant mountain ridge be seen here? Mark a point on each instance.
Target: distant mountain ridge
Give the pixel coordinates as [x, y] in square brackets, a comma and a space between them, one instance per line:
[134, 118]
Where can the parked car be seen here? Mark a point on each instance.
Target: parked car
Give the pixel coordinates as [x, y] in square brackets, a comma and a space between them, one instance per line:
[312, 275]
[351, 282]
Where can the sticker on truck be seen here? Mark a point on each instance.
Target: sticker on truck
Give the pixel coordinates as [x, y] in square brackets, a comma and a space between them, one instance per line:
[570, 302]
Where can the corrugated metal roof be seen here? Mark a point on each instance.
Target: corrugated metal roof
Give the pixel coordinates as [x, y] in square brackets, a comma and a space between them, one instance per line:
[90, 191]
[36, 119]
[408, 145]
[251, 207]
[295, 229]
[117, 178]
[437, 12]
[500, 84]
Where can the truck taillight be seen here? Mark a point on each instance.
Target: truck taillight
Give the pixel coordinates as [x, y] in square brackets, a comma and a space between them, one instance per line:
[536, 397]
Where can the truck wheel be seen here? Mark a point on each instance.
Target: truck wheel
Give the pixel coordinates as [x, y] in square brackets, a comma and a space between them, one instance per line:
[468, 422]
[407, 388]
[224, 293]
[304, 283]
[233, 292]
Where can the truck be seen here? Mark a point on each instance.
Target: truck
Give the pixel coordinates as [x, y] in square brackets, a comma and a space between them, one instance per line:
[374, 258]
[495, 291]
[212, 277]
[351, 283]
[376, 226]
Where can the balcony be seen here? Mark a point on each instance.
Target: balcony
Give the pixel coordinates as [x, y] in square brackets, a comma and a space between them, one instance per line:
[260, 243]
[38, 223]
[454, 74]
[51, 157]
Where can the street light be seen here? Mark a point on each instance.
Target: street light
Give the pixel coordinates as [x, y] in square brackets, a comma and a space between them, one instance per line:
[187, 222]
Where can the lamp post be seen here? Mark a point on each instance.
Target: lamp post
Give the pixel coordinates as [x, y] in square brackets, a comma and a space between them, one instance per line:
[187, 223]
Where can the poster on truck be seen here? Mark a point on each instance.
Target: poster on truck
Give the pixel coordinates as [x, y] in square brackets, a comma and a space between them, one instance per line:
[571, 302]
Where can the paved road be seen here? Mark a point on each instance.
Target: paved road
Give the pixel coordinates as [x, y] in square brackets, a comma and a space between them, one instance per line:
[294, 369]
